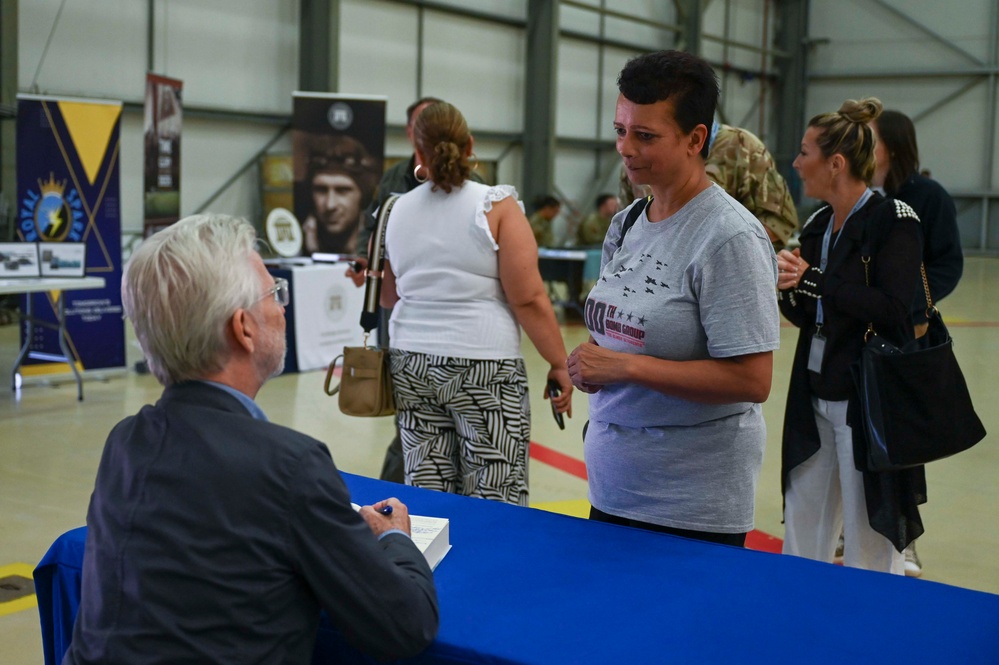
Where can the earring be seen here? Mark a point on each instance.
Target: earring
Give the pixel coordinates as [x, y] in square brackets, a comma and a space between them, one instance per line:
[416, 174]
[474, 161]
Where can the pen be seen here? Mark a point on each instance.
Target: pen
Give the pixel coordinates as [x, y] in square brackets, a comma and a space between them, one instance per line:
[386, 510]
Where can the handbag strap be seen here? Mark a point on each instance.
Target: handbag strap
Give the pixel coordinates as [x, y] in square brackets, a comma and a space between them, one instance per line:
[930, 308]
[866, 260]
[633, 215]
[926, 291]
[376, 266]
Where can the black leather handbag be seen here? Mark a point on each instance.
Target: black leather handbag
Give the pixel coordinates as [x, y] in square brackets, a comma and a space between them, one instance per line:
[914, 401]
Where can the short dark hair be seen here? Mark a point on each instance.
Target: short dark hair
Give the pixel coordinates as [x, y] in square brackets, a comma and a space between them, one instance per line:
[601, 199]
[685, 79]
[899, 136]
[545, 200]
[411, 109]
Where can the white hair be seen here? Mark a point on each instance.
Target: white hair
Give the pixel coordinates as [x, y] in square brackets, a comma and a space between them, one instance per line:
[181, 288]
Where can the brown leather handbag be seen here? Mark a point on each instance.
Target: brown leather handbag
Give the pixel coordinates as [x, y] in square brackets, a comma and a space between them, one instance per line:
[365, 387]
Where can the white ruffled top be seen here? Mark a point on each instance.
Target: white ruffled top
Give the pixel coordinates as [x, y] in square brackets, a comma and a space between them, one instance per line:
[446, 267]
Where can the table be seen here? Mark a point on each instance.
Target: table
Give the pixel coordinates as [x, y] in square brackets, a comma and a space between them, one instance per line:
[522, 586]
[571, 266]
[36, 285]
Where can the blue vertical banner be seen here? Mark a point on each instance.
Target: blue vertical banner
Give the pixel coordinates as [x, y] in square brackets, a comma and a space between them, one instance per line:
[68, 191]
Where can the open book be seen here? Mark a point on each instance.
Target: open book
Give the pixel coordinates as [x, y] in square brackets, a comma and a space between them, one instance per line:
[432, 535]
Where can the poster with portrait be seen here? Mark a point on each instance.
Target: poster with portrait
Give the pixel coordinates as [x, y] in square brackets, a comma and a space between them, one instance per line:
[161, 139]
[68, 192]
[338, 144]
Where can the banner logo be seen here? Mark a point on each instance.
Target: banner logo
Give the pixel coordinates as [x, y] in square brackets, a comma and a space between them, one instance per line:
[340, 116]
[336, 303]
[50, 214]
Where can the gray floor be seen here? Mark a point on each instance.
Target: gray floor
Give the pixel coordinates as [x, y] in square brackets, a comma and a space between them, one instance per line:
[51, 445]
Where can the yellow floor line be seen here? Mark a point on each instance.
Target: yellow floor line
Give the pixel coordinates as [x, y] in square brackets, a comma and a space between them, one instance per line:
[574, 508]
[24, 603]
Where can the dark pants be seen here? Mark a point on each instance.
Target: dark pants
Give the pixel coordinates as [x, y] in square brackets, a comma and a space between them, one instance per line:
[735, 539]
[394, 466]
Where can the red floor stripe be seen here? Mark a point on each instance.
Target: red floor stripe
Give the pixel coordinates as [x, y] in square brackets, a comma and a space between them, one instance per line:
[763, 542]
[560, 461]
[755, 540]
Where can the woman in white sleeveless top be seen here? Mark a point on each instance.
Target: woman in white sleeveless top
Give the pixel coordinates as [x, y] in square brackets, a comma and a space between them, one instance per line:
[461, 273]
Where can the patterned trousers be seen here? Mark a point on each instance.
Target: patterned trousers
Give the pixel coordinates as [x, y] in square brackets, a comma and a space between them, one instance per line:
[465, 424]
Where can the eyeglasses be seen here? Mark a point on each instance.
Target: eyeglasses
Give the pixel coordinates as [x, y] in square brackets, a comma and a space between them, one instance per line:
[281, 292]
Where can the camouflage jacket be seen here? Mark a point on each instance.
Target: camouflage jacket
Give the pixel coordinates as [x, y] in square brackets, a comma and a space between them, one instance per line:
[742, 166]
[592, 230]
[542, 231]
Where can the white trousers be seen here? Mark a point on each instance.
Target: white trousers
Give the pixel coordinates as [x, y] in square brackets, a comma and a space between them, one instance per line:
[826, 494]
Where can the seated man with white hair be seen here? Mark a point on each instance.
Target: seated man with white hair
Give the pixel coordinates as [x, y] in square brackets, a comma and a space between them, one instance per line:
[215, 535]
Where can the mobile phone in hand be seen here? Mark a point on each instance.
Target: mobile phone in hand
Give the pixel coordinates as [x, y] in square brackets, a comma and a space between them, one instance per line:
[554, 391]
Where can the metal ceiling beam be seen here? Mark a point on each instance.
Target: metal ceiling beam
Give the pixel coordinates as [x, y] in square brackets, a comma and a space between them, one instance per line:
[603, 11]
[318, 45]
[937, 37]
[540, 92]
[990, 125]
[854, 75]
[791, 36]
[691, 15]
[8, 110]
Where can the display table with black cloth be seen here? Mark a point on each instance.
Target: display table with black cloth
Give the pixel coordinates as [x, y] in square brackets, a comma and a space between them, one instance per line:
[526, 586]
[570, 266]
[323, 316]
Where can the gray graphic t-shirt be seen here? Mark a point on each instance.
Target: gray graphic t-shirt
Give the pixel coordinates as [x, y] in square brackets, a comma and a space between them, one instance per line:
[700, 284]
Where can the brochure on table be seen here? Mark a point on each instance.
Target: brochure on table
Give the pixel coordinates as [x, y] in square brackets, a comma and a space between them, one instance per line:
[63, 259]
[19, 259]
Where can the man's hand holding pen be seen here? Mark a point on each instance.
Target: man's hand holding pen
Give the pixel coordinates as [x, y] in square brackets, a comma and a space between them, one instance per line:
[387, 515]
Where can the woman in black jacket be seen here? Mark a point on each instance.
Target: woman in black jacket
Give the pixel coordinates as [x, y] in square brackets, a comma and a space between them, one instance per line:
[897, 173]
[858, 265]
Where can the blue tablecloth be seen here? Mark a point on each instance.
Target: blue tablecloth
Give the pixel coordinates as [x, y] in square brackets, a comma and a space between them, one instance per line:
[526, 586]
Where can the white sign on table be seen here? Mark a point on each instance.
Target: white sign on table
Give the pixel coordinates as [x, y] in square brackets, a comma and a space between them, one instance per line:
[327, 314]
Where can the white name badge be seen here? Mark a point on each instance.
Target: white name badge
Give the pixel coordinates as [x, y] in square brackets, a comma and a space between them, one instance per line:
[816, 353]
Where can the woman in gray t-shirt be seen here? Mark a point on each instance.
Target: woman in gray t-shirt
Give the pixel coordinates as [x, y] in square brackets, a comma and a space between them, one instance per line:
[683, 324]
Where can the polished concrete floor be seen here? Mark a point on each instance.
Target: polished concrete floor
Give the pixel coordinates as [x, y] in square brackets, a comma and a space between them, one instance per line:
[51, 444]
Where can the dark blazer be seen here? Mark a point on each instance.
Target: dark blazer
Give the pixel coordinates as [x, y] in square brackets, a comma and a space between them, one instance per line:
[888, 232]
[215, 537]
[941, 239]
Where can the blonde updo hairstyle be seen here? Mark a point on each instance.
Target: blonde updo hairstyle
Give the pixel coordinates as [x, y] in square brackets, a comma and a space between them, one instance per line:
[847, 133]
[443, 139]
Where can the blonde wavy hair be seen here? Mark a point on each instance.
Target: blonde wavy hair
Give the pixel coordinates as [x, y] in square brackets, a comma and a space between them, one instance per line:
[442, 137]
[847, 133]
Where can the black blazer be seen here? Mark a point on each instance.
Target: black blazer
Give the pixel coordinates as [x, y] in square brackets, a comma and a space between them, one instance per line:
[215, 537]
[888, 232]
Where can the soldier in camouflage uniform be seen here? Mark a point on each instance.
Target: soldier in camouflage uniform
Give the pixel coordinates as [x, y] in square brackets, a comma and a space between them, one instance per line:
[546, 208]
[594, 227]
[742, 166]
